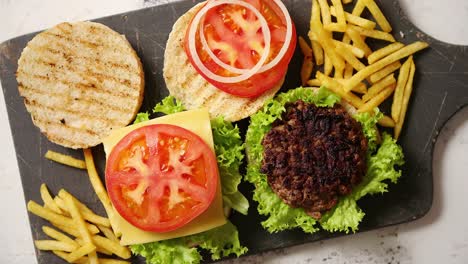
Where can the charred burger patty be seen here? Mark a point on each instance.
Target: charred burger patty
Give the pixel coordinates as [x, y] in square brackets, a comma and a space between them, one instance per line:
[312, 155]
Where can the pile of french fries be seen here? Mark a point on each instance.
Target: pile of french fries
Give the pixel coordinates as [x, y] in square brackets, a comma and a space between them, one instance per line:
[361, 76]
[92, 233]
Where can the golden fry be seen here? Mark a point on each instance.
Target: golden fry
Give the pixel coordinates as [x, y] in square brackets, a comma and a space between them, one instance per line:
[355, 50]
[81, 225]
[87, 213]
[112, 246]
[400, 89]
[318, 52]
[406, 98]
[376, 34]
[59, 236]
[65, 159]
[360, 88]
[376, 100]
[348, 72]
[306, 70]
[385, 71]
[383, 52]
[356, 20]
[359, 7]
[343, 52]
[55, 218]
[87, 249]
[98, 249]
[325, 12]
[54, 245]
[340, 14]
[335, 27]
[386, 121]
[328, 66]
[96, 183]
[325, 41]
[358, 41]
[48, 201]
[108, 233]
[314, 82]
[378, 15]
[337, 88]
[369, 70]
[378, 87]
[347, 1]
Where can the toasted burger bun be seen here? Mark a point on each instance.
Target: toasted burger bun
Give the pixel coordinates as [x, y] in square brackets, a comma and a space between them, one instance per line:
[185, 84]
[79, 82]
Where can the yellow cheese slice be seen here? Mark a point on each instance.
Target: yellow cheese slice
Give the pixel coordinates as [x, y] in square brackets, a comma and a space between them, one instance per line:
[197, 121]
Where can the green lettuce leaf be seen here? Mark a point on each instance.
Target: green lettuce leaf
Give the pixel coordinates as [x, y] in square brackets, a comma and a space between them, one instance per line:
[279, 215]
[220, 242]
[346, 215]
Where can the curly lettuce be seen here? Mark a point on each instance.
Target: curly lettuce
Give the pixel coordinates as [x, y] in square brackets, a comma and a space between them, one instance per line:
[221, 241]
[346, 215]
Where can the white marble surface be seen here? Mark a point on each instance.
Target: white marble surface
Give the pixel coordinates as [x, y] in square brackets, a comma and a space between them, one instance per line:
[439, 237]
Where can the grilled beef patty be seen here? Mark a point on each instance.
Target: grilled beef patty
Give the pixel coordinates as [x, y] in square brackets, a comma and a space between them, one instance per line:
[312, 155]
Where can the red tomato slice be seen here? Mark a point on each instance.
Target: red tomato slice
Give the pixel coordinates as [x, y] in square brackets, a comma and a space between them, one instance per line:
[161, 177]
[234, 35]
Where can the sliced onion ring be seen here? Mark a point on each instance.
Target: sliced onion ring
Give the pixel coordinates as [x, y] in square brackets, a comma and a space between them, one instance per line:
[266, 67]
[192, 47]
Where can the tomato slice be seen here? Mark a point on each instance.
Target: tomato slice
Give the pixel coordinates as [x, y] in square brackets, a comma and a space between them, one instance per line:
[234, 35]
[161, 177]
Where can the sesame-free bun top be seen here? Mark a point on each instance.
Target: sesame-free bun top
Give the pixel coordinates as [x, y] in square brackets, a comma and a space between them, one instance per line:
[79, 82]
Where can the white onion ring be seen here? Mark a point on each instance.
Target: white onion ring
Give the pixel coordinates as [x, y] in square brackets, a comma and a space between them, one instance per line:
[192, 47]
[271, 64]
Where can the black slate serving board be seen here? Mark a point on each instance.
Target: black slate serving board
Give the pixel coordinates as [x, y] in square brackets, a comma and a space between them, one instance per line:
[441, 89]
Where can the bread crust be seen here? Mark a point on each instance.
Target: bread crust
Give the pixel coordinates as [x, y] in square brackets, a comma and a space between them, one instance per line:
[185, 84]
[79, 82]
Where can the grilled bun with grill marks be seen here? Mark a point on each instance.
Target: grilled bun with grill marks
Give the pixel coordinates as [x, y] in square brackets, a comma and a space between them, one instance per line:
[79, 82]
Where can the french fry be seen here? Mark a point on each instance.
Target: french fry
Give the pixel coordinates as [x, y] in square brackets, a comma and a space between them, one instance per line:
[383, 52]
[96, 183]
[112, 246]
[325, 12]
[81, 225]
[65, 159]
[372, 33]
[335, 27]
[307, 64]
[356, 20]
[400, 89]
[347, 1]
[59, 236]
[386, 121]
[318, 52]
[348, 72]
[87, 213]
[385, 71]
[48, 201]
[358, 41]
[314, 83]
[73, 231]
[406, 97]
[378, 15]
[376, 100]
[337, 88]
[378, 87]
[54, 245]
[328, 66]
[343, 52]
[338, 74]
[108, 233]
[360, 88]
[339, 13]
[369, 70]
[325, 41]
[64, 256]
[87, 249]
[346, 39]
[355, 50]
[98, 249]
[55, 218]
[359, 7]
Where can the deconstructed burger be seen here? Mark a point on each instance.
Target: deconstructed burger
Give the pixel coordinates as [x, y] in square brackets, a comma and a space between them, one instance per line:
[310, 161]
[229, 56]
[171, 180]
